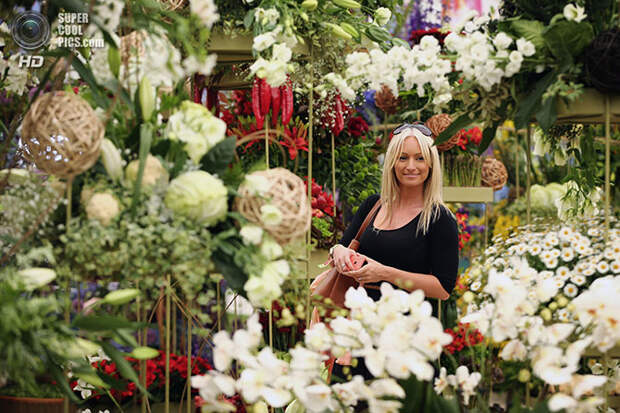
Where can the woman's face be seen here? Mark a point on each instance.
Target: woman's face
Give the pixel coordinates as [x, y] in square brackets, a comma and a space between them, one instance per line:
[411, 169]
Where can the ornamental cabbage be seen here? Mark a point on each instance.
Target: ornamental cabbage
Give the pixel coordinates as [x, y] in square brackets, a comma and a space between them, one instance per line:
[103, 207]
[198, 195]
[195, 126]
[154, 172]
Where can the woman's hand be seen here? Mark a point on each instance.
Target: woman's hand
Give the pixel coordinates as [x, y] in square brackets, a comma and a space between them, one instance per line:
[371, 272]
[342, 258]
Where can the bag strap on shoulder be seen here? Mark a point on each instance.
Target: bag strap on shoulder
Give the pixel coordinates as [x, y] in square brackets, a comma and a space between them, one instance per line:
[355, 242]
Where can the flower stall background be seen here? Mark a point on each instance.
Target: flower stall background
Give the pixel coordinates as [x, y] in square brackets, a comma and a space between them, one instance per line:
[166, 200]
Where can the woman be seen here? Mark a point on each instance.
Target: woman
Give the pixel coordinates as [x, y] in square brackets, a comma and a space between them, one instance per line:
[413, 240]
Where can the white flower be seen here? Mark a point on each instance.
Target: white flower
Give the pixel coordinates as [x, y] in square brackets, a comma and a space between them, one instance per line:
[103, 207]
[263, 41]
[570, 290]
[578, 279]
[574, 13]
[515, 57]
[318, 338]
[251, 234]
[567, 254]
[382, 16]
[256, 184]
[615, 267]
[525, 47]
[206, 11]
[513, 350]
[204, 66]
[602, 267]
[270, 249]
[270, 215]
[441, 382]
[475, 286]
[465, 382]
[502, 41]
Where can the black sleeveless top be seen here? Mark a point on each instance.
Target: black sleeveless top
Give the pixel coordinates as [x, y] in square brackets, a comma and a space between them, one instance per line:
[435, 253]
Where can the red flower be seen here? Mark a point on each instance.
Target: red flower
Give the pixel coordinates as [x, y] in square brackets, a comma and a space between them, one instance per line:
[463, 336]
[322, 202]
[357, 126]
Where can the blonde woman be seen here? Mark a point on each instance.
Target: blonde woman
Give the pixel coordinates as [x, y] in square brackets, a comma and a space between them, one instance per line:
[412, 242]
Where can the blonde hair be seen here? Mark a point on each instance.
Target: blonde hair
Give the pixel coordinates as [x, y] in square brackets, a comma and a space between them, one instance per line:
[390, 189]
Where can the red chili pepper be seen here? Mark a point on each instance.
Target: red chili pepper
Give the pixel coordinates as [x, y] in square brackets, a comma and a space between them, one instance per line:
[287, 101]
[256, 104]
[275, 105]
[213, 100]
[338, 116]
[265, 97]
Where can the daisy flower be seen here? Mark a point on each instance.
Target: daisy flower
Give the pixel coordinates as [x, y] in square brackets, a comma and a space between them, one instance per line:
[555, 253]
[475, 286]
[535, 249]
[593, 232]
[546, 274]
[563, 314]
[520, 249]
[615, 267]
[602, 267]
[565, 233]
[570, 290]
[551, 263]
[578, 279]
[559, 282]
[563, 273]
[589, 270]
[546, 255]
[567, 254]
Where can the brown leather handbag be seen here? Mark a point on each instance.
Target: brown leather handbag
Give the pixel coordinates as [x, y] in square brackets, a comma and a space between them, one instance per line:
[331, 283]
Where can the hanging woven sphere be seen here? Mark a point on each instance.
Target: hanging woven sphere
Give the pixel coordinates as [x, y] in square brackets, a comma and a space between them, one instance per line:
[603, 60]
[437, 124]
[494, 173]
[386, 101]
[287, 192]
[132, 45]
[62, 134]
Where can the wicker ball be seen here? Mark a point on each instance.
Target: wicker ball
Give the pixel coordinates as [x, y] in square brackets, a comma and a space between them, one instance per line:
[386, 101]
[132, 45]
[62, 134]
[437, 124]
[494, 173]
[288, 193]
[602, 61]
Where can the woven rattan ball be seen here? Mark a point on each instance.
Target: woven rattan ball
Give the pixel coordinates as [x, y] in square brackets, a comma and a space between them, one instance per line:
[437, 124]
[288, 193]
[494, 173]
[62, 134]
[132, 45]
[386, 101]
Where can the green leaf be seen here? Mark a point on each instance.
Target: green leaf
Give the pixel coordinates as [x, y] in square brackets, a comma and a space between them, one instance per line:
[487, 136]
[101, 323]
[397, 41]
[456, 125]
[531, 30]
[547, 114]
[146, 137]
[530, 104]
[123, 366]
[218, 158]
[86, 74]
[415, 393]
[249, 18]
[568, 39]
[234, 275]
[125, 337]
[541, 407]
[63, 382]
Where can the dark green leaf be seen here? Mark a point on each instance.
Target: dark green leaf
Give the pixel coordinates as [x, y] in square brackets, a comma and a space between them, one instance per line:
[378, 34]
[487, 137]
[456, 125]
[531, 30]
[530, 104]
[89, 78]
[547, 114]
[63, 382]
[217, 159]
[541, 407]
[101, 323]
[567, 39]
[123, 366]
[234, 275]
[415, 392]
[125, 337]
[249, 18]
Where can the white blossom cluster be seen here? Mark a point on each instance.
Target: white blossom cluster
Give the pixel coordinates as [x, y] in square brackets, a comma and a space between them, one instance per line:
[278, 43]
[520, 295]
[396, 336]
[17, 79]
[461, 381]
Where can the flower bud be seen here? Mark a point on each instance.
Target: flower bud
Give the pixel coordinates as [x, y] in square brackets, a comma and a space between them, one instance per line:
[382, 16]
[553, 306]
[147, 98]
[545, 314]
[144, 353]
[309, 5]
[524, 375]
[468, 297]
[562, 301]
[259, 407]
[111, 159]
[36, 277]
[120, 297]
[114, 61]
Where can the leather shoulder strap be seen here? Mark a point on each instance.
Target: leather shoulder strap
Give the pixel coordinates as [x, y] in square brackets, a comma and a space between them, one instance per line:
[355, 241]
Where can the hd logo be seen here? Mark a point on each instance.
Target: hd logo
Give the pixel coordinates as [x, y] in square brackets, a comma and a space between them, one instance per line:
[30, 61]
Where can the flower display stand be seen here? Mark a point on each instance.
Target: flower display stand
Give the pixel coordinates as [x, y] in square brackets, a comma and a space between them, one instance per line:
[160, 408]
[467, 194]
[9, 404]
[589, 108]
[238, 49]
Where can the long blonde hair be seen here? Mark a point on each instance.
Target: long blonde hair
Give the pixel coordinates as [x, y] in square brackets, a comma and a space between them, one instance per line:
[390, 189]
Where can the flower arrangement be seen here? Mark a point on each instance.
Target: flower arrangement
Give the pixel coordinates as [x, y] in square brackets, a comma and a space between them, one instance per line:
[397, 337]
[530, 294]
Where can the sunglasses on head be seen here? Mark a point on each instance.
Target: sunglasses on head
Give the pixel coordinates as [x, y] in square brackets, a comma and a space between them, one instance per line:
[417, 125]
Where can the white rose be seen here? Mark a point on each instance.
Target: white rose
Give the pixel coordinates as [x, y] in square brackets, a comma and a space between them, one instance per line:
[256, 184]
[502, 41]
[281, 52]
[263, 41]
[251, 234]
[270, 249]
[270, 215]
[525, 47]
[515, 57]
[382, 16]
[574, 13]
[103, 207]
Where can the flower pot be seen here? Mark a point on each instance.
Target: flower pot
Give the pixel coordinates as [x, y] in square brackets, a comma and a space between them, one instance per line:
[10, 404]
[589, 108]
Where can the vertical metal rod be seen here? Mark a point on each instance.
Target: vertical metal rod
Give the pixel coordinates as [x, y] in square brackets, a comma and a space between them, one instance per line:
[334, 166]
[167, 387]
[486, 224]
[607, 165]
[527, 173]
[310, 132]
[65, 404]
[219, 305]
[517, 173]
[173, 310]
[189, 361]
[271, 326]
[267, 140]
[143, 364]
